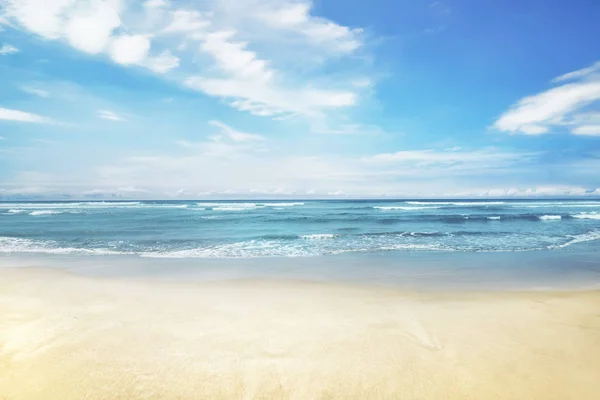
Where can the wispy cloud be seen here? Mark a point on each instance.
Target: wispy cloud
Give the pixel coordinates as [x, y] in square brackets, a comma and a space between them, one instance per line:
[227, 143]
[7, 49]
[35, 91]
[452, 159]
[400, 173]
[110, 115]
[125, 192]
[535, 191]
[235, 135]
[574, 105]
[247, 50]
[8, 114]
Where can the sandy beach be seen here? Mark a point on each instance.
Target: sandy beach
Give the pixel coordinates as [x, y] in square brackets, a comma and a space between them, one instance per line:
[64, 336]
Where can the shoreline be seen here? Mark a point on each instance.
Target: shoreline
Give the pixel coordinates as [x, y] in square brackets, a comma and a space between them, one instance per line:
[556, 270]
[65, 336]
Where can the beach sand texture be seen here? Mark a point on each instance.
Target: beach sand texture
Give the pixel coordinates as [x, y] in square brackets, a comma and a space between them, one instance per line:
[69, 337]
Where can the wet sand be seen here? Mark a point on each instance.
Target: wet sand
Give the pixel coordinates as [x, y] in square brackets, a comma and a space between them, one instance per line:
[66, 337]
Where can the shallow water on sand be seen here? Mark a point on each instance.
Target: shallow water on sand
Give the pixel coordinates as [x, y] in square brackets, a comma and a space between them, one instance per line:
[575, 269]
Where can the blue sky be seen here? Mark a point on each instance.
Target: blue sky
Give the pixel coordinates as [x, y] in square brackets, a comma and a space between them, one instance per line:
[293, 98]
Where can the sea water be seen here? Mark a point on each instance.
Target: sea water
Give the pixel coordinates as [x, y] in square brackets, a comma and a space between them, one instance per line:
[303, 228]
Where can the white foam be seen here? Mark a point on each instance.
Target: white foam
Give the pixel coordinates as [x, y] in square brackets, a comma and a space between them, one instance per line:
[584, 237]
[44, 212]
[90, 205]
[457, 203]
[247, 249]
[70, 205]
[282, 204]
[20, 245]
[494, 218]
[550, 217]
[110, 203]
[391, 208]
[246, 205]
[16, 211]
[560, 205]
[318, 236]
[412, 246]
[231, 208]
[593, 215]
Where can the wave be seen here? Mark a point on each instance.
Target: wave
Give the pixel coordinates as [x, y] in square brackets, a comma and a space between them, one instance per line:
[403, 233]
[550, 217]
[233, 206]
[390, 208]
[71, 204]
[561, 205]
[587, 216]
[45, 212]
[322, 236]
[20, 245]
[319, 236]
[111, 203]
[293, 204]
[309, 245]
[581, 238]
[91, 206]
[16, 211]
[457, 203]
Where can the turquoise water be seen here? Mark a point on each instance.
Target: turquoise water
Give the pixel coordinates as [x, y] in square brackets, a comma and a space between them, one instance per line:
[251, 229]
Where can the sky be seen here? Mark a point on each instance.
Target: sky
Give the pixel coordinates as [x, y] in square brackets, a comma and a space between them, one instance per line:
[193, 99]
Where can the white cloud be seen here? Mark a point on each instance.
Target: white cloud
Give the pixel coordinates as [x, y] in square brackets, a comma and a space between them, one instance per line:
[89, 24]
[227, 143]
[110, 115]
[155, 3]
[8, 114]
[581, 73]
[162, 63]
[263, 99]
[27, 191]
[243, 51]
[233, 58]
[295, 17]
[126, 191]
[253, 85]
[35, 91]
[7, 49]
[42, 17]
[452, 159]
[237, 136]
[223, 164]
[564, 106]
[587, 130]
[129, 49]
[536, 191]
[186, 21]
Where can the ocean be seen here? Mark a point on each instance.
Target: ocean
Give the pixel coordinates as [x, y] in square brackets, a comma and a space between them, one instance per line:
[304, 228]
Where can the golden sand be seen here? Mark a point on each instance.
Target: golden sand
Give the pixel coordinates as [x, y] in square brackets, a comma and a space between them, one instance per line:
[66, 337]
